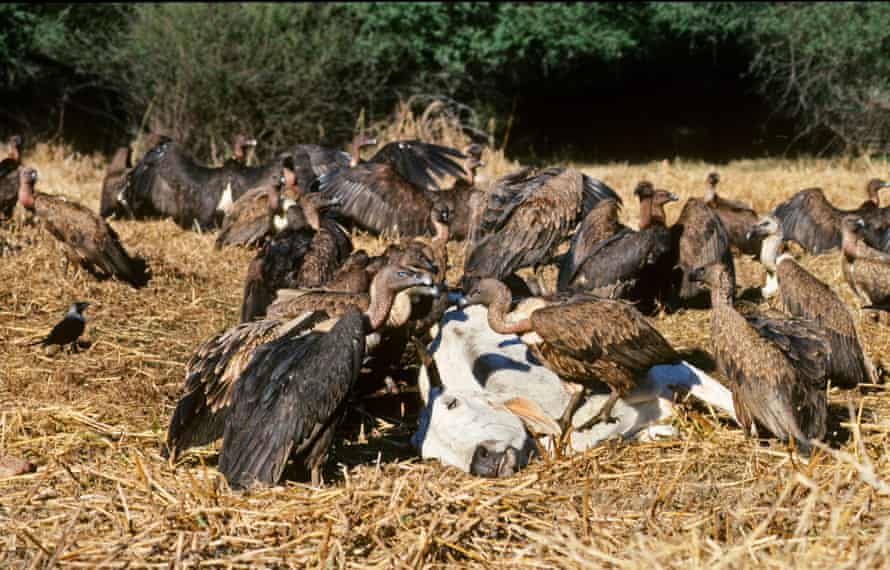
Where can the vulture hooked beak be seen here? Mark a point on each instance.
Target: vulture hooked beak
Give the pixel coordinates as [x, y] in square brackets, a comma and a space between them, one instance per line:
[673, 197]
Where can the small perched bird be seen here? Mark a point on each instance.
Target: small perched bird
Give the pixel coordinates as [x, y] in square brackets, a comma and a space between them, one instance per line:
[69, 329]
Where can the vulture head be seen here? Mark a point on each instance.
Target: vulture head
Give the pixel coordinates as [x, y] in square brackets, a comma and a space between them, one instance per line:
[27, 179]
[485, 292]
[767, 226]
[852, 232]
[713, 276]
[873, 187]
[238, 149]
[662, 197]
[359, 259]
[15, 147]
[644, 189]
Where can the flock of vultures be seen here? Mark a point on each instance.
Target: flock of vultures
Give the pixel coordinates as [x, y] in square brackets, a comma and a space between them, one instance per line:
[317, 314]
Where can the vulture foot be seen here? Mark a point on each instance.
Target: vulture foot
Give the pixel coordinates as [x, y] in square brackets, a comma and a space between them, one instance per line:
[604, 415]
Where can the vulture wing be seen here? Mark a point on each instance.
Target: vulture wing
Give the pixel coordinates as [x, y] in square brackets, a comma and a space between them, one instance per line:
[810, 220]
[328, 250]
[599, 224]
[378, 198]
[200, 414]
[414, 161]
[291, 302]
[249, 220]
[273, 266]
[292, 392]
[699, 239]
[803, 295]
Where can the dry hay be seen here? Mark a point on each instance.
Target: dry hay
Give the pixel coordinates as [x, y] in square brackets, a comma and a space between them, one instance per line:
[93, 423]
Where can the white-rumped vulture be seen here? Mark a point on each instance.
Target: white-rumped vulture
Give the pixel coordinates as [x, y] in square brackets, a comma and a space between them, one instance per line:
[699, 238]
[809, 219]
[395, 189]
[803, 295]
[9, 176]
[167, 182]
[776, 365]
[625, 264]
[85, 238]
[579, 338]
[736, 217]
[527, 216]
[306, 254]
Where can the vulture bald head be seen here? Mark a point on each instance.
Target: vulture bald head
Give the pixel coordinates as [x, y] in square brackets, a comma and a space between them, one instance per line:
[15, 143]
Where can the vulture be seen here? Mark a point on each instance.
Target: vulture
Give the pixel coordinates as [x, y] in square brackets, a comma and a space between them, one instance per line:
[394, 190]
[167, 182]
[218, 364]
[259, 213]
[463, 199]
[805, 296]
[579, 338]
[627, 264]
[699, 238]
[306, 254]
[736, 217]
[312, 161]
[809, 218]
[84, 237]
[9, 176]
[776, 365]
[115, 182]
[866, 270]
[353, 276]
[527, 216]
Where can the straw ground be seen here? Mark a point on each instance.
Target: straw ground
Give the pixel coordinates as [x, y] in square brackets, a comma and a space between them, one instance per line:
[93, 424]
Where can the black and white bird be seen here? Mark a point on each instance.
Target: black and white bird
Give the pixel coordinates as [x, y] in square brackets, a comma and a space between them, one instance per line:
[69, 329]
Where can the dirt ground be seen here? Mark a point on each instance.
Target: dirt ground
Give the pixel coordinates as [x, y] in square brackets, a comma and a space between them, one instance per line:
[93, 423]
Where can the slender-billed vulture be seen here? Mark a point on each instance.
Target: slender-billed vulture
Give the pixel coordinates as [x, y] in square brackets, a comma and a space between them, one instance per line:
[809, 218]
[803, 295]
[579, 338]
[395, 189]
[777, 365]
[699, 238]
[85, 238]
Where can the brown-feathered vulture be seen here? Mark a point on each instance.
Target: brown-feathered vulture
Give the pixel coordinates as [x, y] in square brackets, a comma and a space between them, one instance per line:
[699, 238]
[115, 182]
[395, 189]
[85, 238]
[809, 218]
[527, 216]
[579, 338]
[866, 270]
[167, 182]
[736, 217]
[626, 264]
[9, 176]
[803, 295]
[463, 199]
[776, 365]
[306, 254]
[312, 161]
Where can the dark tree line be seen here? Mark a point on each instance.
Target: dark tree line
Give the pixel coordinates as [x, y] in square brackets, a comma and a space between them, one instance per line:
[569, 74]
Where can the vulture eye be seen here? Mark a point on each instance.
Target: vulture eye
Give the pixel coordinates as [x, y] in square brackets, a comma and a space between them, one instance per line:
[403, 274]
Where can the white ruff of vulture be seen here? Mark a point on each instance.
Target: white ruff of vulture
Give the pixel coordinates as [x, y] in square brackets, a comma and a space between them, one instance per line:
[866, 270]
[805, 296]
[699, 238]
[306, 254]
[9, 176]
[776, 365]
[809, 219]
[526, 217]
[395, 189]
[201, 414]
[609, 260]
[260, 212]
[737, 217]
[579, 338]
[312, 161]
[167, 182]
[69, 329]
[85, 238]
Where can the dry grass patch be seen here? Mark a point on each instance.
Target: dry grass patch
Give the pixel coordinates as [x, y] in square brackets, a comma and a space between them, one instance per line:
[93, 423]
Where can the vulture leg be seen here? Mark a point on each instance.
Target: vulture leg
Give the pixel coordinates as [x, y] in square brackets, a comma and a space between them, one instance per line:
[605, 413]
[565, 422]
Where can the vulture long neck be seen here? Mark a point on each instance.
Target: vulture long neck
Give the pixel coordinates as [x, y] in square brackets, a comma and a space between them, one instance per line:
[721, 294]
[497, 315]
[651, 214]
[769, 251]
[710, 194]
[26, 195]
[356, 150]
[121, 160]
[380, 304]
[310, 212]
